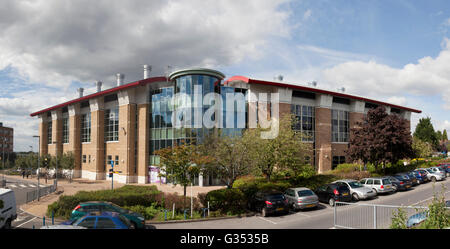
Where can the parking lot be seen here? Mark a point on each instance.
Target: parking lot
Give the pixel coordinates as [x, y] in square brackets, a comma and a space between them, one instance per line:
[320, 218]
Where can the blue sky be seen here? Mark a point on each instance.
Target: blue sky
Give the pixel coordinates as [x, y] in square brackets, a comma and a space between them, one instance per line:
[395, 50]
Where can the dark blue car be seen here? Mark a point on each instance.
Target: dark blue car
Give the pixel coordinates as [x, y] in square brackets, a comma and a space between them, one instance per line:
[105, 220]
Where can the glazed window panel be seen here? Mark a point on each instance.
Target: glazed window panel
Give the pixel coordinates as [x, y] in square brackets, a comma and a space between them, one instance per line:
[65, 130]
[304, 121]
[49, 132]
[340, 126]
[86, 128]
[112, 124]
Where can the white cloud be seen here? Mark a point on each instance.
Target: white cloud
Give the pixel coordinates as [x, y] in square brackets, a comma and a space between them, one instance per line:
[429, 76]
[50, 44]
[307, 14]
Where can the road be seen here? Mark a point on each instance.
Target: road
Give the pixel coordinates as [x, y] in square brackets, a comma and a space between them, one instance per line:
[21, 188]
[321, 218]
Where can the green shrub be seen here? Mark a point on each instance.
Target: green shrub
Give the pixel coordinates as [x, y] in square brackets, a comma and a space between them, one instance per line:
[347, 168]
[227, 200]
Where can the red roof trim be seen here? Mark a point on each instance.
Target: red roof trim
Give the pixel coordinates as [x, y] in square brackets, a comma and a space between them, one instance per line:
[262, 82]
[105, 92]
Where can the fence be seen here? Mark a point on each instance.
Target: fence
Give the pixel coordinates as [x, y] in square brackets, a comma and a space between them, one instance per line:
[33, 195]
[369, 216]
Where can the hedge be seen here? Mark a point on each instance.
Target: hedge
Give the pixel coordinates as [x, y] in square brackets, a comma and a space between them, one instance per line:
[126, 196]
[226, 201]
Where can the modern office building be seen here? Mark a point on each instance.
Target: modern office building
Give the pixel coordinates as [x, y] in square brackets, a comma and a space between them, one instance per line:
[6, 139]
[127, 123]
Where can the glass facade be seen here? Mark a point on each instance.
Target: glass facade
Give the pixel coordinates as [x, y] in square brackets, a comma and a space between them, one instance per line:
[340, 126]
[304, 121]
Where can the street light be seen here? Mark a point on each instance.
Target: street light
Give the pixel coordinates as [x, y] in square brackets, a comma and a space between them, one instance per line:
[56, 167]
[38, 171]
[3, 158]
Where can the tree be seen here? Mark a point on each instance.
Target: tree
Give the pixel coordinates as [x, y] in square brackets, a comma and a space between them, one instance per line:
[68, 162]
[231, 156]
[380, 138]
[425, 131]
[179, 164]
[444, 135]
[285, 151]
[439, 136]
[421, 149]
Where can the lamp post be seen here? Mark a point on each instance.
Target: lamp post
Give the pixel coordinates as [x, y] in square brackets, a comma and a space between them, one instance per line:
[56, 165]
[38, 171]
[3, 157]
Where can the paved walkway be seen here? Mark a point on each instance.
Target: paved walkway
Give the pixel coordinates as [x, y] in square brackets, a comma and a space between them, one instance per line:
[39, 208]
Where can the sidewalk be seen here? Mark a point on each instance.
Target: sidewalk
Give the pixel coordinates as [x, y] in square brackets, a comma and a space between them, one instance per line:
[39, 208]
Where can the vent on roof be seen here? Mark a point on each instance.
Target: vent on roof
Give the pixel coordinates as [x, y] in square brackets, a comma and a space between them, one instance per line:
[313, 83]
[98, 84]
[147, 70]
[80, 92]
[120, 78]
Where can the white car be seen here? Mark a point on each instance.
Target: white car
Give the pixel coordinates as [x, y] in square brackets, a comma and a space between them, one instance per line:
[7, 208]
[357, 190]
[435, 174]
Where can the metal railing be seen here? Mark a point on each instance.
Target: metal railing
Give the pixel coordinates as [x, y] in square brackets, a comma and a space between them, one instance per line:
[33, 194]
[369, 216]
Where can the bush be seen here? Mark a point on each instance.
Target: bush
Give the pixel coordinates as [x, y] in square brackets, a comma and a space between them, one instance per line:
[227, 200]
[125, 196]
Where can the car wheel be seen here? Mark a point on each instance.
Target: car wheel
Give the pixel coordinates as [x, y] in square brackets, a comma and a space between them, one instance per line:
[376, 192]
[293, 207]
[433, 179]
[332, 202]
[7, 224]
[263, 212]
[355, 197]
[134, 225]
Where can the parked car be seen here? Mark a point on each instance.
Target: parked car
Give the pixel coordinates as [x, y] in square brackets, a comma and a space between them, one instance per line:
[412, 177]
[357, 190]
[102, 220]
[8, 212]
[378, 184]
[420, 217]
[330, 193]
[421, 175]
[397, 184]
[405, 179]
[446, 166]
[99, 206]
[301, 198]
[269, 202]
[435, 174]
[62, 227]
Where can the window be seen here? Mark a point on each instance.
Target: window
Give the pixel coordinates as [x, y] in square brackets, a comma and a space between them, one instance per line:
[303, 121]
[89, 159]
[339, 126]
[337, 160]
[105, 223]
[109, 159]
[370, 181]
[65, 130]
[49, 132]
[88, 222]
[86, 128]
[376, 182]
[84, 158]
[116, 161]
[112, 124]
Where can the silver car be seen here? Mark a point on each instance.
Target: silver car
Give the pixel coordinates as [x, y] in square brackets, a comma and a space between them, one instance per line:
[378, 184]
[301, 198]
[357, 190]
[435, 174]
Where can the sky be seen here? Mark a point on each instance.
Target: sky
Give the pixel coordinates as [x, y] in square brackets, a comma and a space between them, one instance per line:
[396, 51]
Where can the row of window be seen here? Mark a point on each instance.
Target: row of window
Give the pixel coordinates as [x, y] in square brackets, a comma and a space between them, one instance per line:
[111, 127]
[304, 117]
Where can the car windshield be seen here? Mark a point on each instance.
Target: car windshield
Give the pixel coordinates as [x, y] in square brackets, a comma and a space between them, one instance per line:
[302, 193]
[275, 197]
[355, 184]
[342, 188]
[386, 181]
